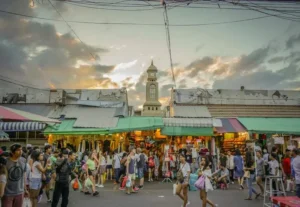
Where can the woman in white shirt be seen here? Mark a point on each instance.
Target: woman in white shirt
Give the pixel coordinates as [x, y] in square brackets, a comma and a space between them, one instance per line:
[206, 171]
[101, 170]
[182, 184]
[37, 171]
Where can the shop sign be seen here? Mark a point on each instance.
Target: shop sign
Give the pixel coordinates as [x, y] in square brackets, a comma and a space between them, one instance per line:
[278, 140]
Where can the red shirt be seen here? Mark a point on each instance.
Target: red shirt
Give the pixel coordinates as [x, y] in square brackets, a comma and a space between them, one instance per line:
[286, 164]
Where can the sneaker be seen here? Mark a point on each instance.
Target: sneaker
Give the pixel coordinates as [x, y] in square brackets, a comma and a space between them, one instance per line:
[49, 201]
[40, 198]
[101, 186]
[141, 187]
[96, 193]
[136, 189]
[97, 185]
[87, 193]
[121, 188]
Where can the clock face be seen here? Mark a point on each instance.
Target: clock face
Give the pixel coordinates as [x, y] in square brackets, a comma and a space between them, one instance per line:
[152, 74]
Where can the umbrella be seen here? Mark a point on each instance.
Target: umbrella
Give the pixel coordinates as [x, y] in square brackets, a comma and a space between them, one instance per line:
[17, 115]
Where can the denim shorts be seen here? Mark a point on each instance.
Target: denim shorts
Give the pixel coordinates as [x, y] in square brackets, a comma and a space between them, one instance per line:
[35, 183]
[140, 173]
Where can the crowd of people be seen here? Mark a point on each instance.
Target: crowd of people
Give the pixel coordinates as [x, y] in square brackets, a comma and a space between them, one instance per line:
[26, 173]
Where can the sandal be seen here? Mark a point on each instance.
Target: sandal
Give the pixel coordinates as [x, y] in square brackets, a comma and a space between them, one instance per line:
[257, 196]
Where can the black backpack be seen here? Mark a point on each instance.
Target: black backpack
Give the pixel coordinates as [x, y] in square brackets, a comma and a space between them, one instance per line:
[141, 162]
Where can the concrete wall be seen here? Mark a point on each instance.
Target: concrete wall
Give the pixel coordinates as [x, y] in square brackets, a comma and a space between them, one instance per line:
[239, 97]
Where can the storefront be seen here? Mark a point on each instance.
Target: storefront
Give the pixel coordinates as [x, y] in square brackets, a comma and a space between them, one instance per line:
[231, 136]
[269, 132]
[128, 131]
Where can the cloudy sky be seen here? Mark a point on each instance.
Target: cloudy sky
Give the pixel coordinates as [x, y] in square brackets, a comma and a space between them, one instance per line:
[258, 54]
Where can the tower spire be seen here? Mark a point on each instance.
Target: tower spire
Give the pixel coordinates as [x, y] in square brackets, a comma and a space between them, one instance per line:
[152, 62]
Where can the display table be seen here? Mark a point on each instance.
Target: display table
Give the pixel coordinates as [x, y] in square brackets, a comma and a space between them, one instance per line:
[288, 201]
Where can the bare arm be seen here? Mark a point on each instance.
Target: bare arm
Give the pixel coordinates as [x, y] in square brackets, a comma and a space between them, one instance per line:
[2, 188]
[40, 168]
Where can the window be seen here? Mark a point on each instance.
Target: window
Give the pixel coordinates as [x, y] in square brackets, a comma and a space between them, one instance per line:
[152, 91]
[156, 109]
[148, 108]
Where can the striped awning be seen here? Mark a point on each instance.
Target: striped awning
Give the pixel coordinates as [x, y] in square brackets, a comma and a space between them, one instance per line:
[21, 126]
[230, 125]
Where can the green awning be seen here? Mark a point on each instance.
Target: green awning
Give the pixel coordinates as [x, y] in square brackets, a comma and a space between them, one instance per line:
[272, 125]
[187, 131]
[134, 123]
[66, 127]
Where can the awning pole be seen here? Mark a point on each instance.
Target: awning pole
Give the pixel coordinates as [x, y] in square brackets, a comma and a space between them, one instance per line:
[27, 136]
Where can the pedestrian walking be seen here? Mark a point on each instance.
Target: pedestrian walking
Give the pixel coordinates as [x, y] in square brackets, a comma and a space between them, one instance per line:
[101, 170]
[64, 168]
[239, 168]
[205, 171]
[183, 177]
[130, 171]
[37, 170]
[230, 166]
[15, 186]
[141, 162]
[296, 168]
[260, 172]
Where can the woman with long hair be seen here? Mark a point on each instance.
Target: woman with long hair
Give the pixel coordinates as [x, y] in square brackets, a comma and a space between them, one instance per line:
[91, 172]
[151, 166]
[239, 168]
[37, 170]
[260, 171]
[109, 168]
[183, 181]
[101, 170]
[250, 178]
[205, 171]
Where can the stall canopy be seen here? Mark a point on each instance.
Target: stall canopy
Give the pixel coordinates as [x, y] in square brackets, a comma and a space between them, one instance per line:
[17, 115]
[67, 127]
[22, 126]
[3, 136]
[133, 123]
[187, 131]
[272, 125]
[230, 125]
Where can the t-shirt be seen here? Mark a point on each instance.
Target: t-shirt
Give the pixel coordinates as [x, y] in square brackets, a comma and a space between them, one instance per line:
[189, 158]
[117, 159]
[260, 166]
[15, 178]
[3, 179]
[286, 164]
[273, 164]
[185, 168]
[296, 167]
[91, 164]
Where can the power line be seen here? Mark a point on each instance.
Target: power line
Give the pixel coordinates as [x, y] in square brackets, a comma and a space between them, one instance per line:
[135, 24]
[72, 30]
[168, 37]
[3, 78]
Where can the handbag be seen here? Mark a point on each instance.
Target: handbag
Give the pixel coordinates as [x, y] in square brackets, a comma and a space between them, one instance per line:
[179, 174]
[247, 174]
[200, 183]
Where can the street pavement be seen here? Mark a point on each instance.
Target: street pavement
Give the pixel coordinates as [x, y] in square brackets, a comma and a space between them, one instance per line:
[157, 195]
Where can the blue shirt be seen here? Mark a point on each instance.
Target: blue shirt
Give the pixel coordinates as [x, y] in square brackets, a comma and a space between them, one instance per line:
[293, 171]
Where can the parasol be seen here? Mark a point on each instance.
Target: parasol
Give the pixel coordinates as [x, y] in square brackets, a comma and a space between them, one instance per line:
[17, 115]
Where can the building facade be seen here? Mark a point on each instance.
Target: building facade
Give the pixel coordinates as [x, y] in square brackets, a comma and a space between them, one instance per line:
[152, 106]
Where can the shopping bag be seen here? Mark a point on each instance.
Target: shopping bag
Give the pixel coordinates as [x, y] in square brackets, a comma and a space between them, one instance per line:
[75, 184]
[27, 202]
[123, 185]
[174, 189]
[289, 185]
[193, 179]
[128, 182]
[88, 183]
[200, 183]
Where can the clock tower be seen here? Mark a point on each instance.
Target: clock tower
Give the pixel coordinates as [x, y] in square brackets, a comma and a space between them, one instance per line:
[152, 107]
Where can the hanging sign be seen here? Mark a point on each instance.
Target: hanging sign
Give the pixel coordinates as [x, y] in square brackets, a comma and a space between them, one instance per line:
[278, 140]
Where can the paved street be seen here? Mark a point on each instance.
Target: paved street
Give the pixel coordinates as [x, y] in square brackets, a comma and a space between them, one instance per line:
[158, 195]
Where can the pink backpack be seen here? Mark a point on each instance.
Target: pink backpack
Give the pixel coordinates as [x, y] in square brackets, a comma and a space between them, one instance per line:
[200, 183]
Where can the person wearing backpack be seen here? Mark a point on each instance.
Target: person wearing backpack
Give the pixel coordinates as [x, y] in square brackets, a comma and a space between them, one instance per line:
[64, 168]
